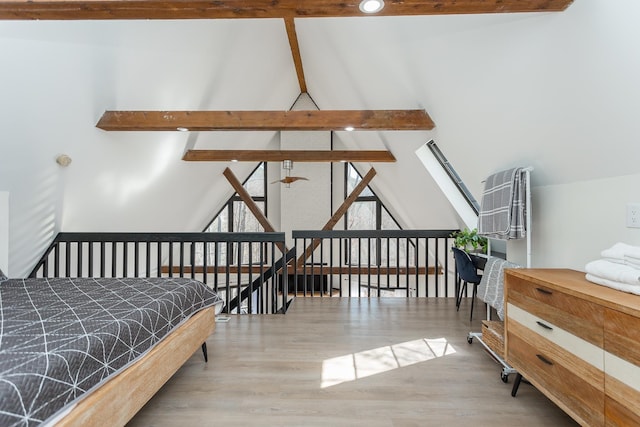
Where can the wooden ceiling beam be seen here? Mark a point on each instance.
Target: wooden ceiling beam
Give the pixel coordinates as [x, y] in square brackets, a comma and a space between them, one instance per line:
[330, 120]
[294, 155]
[229, 9]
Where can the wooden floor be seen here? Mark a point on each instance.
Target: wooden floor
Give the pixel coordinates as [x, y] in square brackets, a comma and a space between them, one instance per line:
[348, 362]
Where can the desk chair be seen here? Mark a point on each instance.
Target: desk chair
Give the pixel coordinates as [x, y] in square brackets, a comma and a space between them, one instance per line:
[467, 273]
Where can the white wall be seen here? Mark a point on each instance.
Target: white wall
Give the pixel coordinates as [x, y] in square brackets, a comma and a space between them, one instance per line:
[35, 211]
[56, 80]
[4, 232]
[573, 223]
[305, 205]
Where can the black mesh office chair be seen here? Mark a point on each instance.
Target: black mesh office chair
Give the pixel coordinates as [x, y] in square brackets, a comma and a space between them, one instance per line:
[467, 273]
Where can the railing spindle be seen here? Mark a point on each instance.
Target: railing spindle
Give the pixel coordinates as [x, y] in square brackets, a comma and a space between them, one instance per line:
[369, 264]
[205, 258]
[148, 257]
[136, 259]
[436, 278]
[170, 260]
[192, 260]
[125, 259]
[406, 257]
[114, 259]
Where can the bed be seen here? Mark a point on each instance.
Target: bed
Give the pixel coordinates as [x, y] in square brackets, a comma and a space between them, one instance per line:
[93, 351]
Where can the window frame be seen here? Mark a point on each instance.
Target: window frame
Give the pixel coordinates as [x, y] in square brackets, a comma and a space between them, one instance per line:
[373, 198]
[379, 206]
[236, 198]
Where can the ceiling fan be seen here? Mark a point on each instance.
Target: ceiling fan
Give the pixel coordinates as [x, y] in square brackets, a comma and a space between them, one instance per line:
[288, 165]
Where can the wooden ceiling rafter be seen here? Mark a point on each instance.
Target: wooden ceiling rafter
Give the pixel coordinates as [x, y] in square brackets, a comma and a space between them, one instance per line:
[230, 9]
[290, 26]
[320, 120]
[301, 156]
[251, 205]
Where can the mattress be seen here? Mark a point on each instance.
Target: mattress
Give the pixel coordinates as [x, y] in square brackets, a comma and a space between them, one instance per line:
[60, 338]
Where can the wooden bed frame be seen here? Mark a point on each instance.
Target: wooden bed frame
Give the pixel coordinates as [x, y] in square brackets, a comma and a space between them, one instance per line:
[119, 399]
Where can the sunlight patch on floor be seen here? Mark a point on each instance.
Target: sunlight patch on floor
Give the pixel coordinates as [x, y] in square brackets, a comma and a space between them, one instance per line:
[351, 367]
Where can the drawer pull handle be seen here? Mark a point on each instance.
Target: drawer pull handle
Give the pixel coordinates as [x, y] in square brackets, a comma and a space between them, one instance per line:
[544, 359]
[544, 291]
[544, 326]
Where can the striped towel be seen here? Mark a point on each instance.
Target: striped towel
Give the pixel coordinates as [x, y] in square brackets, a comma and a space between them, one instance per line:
[491, 287]
[503, 208]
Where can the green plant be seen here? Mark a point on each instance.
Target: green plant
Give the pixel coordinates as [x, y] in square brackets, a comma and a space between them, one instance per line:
[469, 240]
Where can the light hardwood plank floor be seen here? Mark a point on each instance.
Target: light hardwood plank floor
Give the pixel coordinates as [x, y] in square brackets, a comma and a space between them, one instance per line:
[348, 362]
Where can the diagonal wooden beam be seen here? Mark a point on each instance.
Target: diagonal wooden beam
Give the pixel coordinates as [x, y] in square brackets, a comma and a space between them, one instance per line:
[332, 120]
[295, 52]
[308, 156]
[230, 9]
[339, 213]
[251, 204]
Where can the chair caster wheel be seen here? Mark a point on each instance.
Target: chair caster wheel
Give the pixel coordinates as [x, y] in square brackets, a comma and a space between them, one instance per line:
[504, 377]
[470, 340]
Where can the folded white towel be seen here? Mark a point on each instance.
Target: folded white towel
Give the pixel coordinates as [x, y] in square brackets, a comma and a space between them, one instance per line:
[621, 250]
[632, 289]
[616, 260]
[633, 262]
[612, 271]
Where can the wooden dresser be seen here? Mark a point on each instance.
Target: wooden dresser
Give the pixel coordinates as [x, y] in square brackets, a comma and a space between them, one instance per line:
[577, 342]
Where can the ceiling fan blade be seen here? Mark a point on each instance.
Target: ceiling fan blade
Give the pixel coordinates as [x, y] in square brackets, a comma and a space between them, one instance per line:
[290, 179]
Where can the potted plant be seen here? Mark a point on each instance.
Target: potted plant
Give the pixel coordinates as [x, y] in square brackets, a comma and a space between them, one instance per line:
[469, 241]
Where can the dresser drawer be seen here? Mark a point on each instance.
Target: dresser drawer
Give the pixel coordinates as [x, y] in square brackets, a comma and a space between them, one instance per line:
[575, 315]
[622, 403]
[573, 344]
[622, 335]
[572, 383]
[622, 368]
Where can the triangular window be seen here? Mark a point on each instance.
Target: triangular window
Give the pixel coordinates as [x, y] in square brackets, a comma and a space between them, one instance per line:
[235, 216]
[367, 212]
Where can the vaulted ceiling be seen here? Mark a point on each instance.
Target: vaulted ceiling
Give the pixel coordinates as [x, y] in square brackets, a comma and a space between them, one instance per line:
[554, 90]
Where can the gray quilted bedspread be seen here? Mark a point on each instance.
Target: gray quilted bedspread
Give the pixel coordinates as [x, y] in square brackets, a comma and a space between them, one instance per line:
[61, 337]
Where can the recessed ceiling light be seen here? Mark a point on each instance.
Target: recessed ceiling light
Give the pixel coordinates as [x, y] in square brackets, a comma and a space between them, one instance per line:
[371, 6]
[182, 129]
[234, 160]
[63, 160]
[349, 128]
